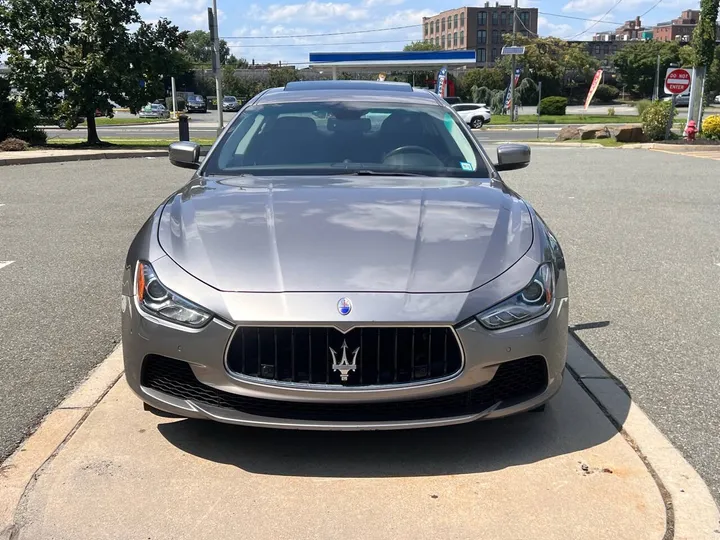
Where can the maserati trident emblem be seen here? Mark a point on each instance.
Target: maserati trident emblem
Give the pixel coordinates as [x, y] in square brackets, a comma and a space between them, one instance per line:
[344, 367]
[344, 306]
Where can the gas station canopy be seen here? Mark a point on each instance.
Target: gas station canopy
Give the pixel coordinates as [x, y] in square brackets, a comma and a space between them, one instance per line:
[395, 61]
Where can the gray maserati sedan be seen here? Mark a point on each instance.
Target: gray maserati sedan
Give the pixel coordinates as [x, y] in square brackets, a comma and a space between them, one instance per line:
[345, 257]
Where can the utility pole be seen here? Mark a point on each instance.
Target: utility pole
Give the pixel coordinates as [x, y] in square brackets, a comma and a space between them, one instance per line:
[215, 39]
[512, 71]
[656, 91]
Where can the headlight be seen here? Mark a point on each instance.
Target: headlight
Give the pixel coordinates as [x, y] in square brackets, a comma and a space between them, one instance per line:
[534, 300]
[160, 301]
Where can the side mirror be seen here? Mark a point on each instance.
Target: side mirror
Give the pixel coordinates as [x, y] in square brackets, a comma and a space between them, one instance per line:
[185, 154]
[512, 156]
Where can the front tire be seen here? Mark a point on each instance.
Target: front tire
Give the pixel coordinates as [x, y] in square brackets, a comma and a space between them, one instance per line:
[477, 123]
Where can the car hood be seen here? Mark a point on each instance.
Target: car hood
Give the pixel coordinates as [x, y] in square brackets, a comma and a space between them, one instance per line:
[345, 233]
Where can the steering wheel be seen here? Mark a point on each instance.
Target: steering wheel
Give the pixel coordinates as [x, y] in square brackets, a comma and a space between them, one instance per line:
[409, 150]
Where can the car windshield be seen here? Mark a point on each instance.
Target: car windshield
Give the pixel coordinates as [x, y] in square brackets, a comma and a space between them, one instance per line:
[346, 138]
[229, 99]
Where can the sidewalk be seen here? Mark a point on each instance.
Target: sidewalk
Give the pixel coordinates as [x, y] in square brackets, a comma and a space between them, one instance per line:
[123, 473]
[53, 156]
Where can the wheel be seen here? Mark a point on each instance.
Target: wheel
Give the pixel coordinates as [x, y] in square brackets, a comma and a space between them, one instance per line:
[477, 122]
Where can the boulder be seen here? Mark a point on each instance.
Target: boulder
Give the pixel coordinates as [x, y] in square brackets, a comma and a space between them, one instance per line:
[568, 133]
[594, 132]
[628, 133]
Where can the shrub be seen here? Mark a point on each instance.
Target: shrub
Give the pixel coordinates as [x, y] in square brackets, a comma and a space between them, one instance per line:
[611, 111]
[655, 118]
[552, 106]
[711, 127]
[13, 145]
[606, 93]
[642, 105]
[34, 137]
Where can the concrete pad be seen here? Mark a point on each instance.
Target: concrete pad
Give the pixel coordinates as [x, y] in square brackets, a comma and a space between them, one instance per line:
[126, 473]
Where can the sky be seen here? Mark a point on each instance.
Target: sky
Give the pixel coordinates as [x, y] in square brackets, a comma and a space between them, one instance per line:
[269, 30]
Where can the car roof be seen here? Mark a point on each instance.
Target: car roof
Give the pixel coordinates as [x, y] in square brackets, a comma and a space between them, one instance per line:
[348, 91]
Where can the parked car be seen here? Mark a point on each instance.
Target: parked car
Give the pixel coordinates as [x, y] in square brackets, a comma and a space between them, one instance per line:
[231, 104]
[452, 100]
[683, 100]
[154, 110]
[475, 114]
[717, 99]
[196, 103]
[457, 316]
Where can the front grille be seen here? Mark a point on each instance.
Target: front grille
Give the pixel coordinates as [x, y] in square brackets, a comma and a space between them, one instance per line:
[380, 355]
[514, 381]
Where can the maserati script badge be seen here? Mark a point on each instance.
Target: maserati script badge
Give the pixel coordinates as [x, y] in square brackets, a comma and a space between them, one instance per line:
[344, 367]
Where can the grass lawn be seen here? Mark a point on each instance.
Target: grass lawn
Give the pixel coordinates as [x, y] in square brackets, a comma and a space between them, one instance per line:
[121, 143]
[567, 119]
[104, 121]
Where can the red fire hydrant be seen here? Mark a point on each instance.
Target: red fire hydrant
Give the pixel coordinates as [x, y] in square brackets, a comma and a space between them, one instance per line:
[690, 131]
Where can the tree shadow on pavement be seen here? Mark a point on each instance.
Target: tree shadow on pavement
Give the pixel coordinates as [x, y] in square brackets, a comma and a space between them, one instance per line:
[572, 422]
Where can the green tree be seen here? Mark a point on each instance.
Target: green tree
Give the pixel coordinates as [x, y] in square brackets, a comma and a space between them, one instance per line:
[422, 46]
[199, 48]
[238, 63]
[552, 61]
[636, 64]
[282, 75]
[492, 78]
[75, 56]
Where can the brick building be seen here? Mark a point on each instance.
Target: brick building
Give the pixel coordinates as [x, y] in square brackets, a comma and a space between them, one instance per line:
[479, 29]
[630, 31]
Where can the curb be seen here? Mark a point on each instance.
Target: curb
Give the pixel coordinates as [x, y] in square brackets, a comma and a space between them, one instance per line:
[691, 511]
[111, 154]
[20, 471]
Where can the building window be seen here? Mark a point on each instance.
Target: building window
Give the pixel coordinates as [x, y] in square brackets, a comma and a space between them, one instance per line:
[494, 18]
[462, 38]
[495, 37]
[437, 41]
[482, 18]
[426, 29]
[449, 22]
[607, 49]
[525, 18]
[503, 18]
[482, 36]
[614, 49]
[442, 42]
[442, 24]
[437, 27]
[462, 20]
[432, 27]
[454, 39]
[494, 55]
[455, 21]
[481, 55]
[597, 49]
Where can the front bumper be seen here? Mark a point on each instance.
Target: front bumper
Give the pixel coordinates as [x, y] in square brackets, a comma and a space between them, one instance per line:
[206, 389]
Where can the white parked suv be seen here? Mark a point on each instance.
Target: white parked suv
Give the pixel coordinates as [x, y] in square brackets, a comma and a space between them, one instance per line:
[474, 114]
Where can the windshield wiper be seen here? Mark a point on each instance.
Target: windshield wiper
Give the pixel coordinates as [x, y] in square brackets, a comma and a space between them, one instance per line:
[380, 173]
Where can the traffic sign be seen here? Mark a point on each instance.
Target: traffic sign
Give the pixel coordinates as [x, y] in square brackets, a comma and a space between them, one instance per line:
[507, 50]
[677, 81]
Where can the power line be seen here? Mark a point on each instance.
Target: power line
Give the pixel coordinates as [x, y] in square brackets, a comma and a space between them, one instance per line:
[525, 27]
[616, 4]
[319, 44]
[653, 7]
[326, 34]
[578, 18]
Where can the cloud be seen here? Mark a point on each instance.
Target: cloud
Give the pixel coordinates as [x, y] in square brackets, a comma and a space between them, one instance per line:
[407, 17]
[546, 28]
[585, 6]
[380, 3]
[308, 11]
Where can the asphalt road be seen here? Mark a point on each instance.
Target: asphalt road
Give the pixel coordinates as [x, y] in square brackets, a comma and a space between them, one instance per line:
[67, 227]
[641, 233]
[640, 230]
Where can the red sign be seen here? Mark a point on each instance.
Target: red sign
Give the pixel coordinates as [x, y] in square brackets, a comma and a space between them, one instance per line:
[677, 80]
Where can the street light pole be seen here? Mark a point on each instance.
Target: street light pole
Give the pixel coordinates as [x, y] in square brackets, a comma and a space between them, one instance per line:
[218, 70]
[512, 71]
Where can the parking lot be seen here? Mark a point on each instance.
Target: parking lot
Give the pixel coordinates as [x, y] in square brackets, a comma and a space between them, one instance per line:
[641, 234]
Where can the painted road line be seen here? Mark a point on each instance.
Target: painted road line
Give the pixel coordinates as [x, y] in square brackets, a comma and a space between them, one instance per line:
[3, 264]
[697, 154]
